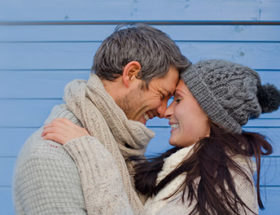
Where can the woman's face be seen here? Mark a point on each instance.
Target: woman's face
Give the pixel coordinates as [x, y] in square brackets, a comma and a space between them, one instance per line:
[189, 123]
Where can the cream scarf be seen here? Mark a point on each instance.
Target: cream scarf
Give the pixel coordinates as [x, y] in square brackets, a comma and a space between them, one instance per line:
[103, 118]
[156, 203]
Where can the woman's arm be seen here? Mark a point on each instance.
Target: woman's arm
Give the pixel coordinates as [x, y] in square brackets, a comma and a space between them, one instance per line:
[101, 181]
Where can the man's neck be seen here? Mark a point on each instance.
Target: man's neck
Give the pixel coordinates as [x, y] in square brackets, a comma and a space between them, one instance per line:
[112, 88]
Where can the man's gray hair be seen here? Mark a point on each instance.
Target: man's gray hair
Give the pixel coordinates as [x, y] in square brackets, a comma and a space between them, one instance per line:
[152, 48]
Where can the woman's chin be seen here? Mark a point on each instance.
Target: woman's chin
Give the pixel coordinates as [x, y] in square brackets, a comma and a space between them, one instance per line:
[172, 142]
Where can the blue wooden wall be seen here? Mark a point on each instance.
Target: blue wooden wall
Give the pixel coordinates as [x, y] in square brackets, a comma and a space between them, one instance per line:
[45, 44]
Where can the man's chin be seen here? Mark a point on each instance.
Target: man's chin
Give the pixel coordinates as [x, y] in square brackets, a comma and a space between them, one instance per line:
[142, 120]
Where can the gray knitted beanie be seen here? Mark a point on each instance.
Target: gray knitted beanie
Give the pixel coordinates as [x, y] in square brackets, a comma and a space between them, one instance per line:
[230, 93]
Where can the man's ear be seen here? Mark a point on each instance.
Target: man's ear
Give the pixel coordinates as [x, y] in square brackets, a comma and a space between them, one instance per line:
[130, 72]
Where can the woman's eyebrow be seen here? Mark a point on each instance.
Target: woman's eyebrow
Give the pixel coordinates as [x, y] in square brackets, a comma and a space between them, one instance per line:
[178, 92]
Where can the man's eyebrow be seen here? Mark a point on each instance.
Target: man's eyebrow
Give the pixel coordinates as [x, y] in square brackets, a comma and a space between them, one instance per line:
[167, 93]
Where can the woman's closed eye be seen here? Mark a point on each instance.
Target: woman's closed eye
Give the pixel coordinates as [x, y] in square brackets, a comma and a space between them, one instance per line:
[177, 100]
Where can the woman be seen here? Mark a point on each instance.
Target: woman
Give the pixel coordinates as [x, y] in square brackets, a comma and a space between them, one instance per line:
[209, 171]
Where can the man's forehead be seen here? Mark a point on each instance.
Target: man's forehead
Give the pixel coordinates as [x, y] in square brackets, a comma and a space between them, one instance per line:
[168, 89]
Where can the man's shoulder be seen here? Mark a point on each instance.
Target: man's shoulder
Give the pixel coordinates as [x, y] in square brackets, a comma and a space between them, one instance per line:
[40, 153]
[37, 148]
[61, 111]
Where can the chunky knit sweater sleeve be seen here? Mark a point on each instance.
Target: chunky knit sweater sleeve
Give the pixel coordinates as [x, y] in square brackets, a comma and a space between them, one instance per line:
[46, 180]
[101, 180]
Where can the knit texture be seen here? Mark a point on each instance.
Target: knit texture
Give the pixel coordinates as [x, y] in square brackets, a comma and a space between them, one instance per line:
[226, 91]
[97, 166]
[91, 159]
[46, 180]
[103, 118]
[155, 203]
[159, 205]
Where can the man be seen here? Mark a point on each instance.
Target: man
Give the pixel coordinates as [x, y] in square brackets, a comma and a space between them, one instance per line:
[135, 72]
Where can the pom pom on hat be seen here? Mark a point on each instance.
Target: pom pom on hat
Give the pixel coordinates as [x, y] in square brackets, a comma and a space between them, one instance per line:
[269, 98]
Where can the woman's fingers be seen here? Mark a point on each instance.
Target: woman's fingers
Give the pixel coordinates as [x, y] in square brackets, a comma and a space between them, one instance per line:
[62, 130]
[55, 137]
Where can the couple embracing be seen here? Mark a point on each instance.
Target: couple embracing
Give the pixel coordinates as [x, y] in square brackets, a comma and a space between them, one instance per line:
[88, 158]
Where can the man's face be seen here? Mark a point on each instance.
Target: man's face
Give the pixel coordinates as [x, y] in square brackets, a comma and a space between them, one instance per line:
[141, 104]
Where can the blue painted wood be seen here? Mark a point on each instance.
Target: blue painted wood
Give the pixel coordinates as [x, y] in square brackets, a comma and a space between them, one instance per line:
[271, 199]
[6, 169]
[16, 113]
[160, 143]
[38, 84]
[78, 33]
[40, 52]
[13, 139]
[140, 10]
[272, 77]
[51, 83]
[265, 120]
[32, 112]
[80, 55]
[270, 171]
[6, 201]
[272, 135]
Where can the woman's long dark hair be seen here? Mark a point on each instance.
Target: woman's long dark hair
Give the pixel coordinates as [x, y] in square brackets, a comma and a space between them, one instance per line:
[212, 162]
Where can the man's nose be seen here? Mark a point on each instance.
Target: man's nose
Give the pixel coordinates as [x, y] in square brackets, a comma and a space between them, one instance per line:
[161, 109]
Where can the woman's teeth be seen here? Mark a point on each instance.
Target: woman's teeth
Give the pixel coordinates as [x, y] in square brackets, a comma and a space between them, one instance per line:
[146, 117]
[174, 126]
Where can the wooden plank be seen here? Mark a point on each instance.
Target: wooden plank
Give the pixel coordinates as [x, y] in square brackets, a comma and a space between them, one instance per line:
[270, 171]
[259, 55]
[271, 199]
[6, 201]
[25, 113]
[265, 121]
[13, 139]
[51, 83]
[32, 113]
[160, 143]
[272, 135]
[6, 170]
[38, 84]
[137, 10]
[272, 77]
[80, 33]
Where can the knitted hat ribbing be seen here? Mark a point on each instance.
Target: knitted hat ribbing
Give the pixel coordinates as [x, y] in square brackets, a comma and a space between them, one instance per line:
[229, 93]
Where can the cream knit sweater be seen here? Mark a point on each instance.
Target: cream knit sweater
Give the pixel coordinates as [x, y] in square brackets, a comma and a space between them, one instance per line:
[91, 158]
[47, 181]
